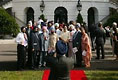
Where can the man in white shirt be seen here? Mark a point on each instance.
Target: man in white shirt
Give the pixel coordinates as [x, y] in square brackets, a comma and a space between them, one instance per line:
[58, 32]
[39, 21]
[21, 40]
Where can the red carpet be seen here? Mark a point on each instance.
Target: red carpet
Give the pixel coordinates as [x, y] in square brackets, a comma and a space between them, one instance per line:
[75, 75]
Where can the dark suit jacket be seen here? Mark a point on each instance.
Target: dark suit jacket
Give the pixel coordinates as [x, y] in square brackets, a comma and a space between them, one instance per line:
[92, 30]
[29, 32]
[100, 36]
[35, 40]
[77, 39]
[60, 67]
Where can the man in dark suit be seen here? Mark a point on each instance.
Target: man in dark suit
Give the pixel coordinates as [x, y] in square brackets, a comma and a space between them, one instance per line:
[35, 47]
[77, 43]
[100, 40]
[28, 32]
[61, 65]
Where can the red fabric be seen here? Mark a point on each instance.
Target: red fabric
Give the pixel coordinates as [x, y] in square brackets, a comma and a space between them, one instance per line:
[46, 75]
[32, 27]
[75, 75]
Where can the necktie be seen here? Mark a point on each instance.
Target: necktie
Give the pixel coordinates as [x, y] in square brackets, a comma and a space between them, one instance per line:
[25, 36]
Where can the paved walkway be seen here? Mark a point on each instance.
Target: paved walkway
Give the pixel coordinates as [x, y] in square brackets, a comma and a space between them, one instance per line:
[8, 57]
[7, 41]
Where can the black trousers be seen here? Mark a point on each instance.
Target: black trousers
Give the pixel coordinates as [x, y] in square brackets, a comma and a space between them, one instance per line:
[29, 61]
[79, 57]
[100, 47]
[35, 58]
[92, 42]
[38, 59]
[21, 56]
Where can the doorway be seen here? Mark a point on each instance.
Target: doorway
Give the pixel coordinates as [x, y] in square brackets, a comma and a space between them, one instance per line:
[30, 15]
[92, 18]
[60, 15]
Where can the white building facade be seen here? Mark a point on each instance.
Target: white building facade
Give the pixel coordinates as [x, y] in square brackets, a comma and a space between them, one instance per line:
[95, 9]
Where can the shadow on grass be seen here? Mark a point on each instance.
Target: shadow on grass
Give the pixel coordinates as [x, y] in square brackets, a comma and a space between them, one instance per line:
[8, 66]
[12, 66]
[95, 65]
[105, 65]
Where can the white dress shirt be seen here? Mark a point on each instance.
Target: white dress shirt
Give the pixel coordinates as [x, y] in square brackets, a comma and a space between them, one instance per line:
[21, 39]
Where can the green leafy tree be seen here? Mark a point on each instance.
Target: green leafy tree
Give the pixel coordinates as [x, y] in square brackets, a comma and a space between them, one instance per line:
[79, 18]
[8, 24]
[114, 1]
[42, 16]
[113, 18]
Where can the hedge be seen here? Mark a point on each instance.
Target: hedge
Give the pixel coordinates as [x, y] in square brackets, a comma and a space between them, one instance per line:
[42, 16]
[79, 18]
[112, 18]
[8, 25]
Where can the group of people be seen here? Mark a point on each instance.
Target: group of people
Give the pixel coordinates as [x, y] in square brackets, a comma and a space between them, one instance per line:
[61, 46]
[37, 41]
[99, 34]
[113, 34]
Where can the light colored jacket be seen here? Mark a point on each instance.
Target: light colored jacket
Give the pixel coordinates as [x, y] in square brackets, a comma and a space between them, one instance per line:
[43, 43]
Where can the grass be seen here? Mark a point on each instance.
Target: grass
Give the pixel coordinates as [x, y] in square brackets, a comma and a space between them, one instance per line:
[21, 75]
[102, 75]
[37, 75]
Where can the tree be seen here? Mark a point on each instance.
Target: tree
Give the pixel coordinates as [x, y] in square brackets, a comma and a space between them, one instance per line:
[114, 1]
[79, 18]
[113, 15]
[42, 17]
[113, 18]
[8, 25]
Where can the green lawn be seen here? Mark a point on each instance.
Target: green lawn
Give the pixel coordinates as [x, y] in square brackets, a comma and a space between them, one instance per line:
[21, 75]
[102, 75]
[37, 75]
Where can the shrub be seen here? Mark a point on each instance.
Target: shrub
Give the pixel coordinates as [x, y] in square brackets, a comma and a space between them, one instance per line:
[113, 18]
[42, 17]
[8, 25]
[79, 18]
